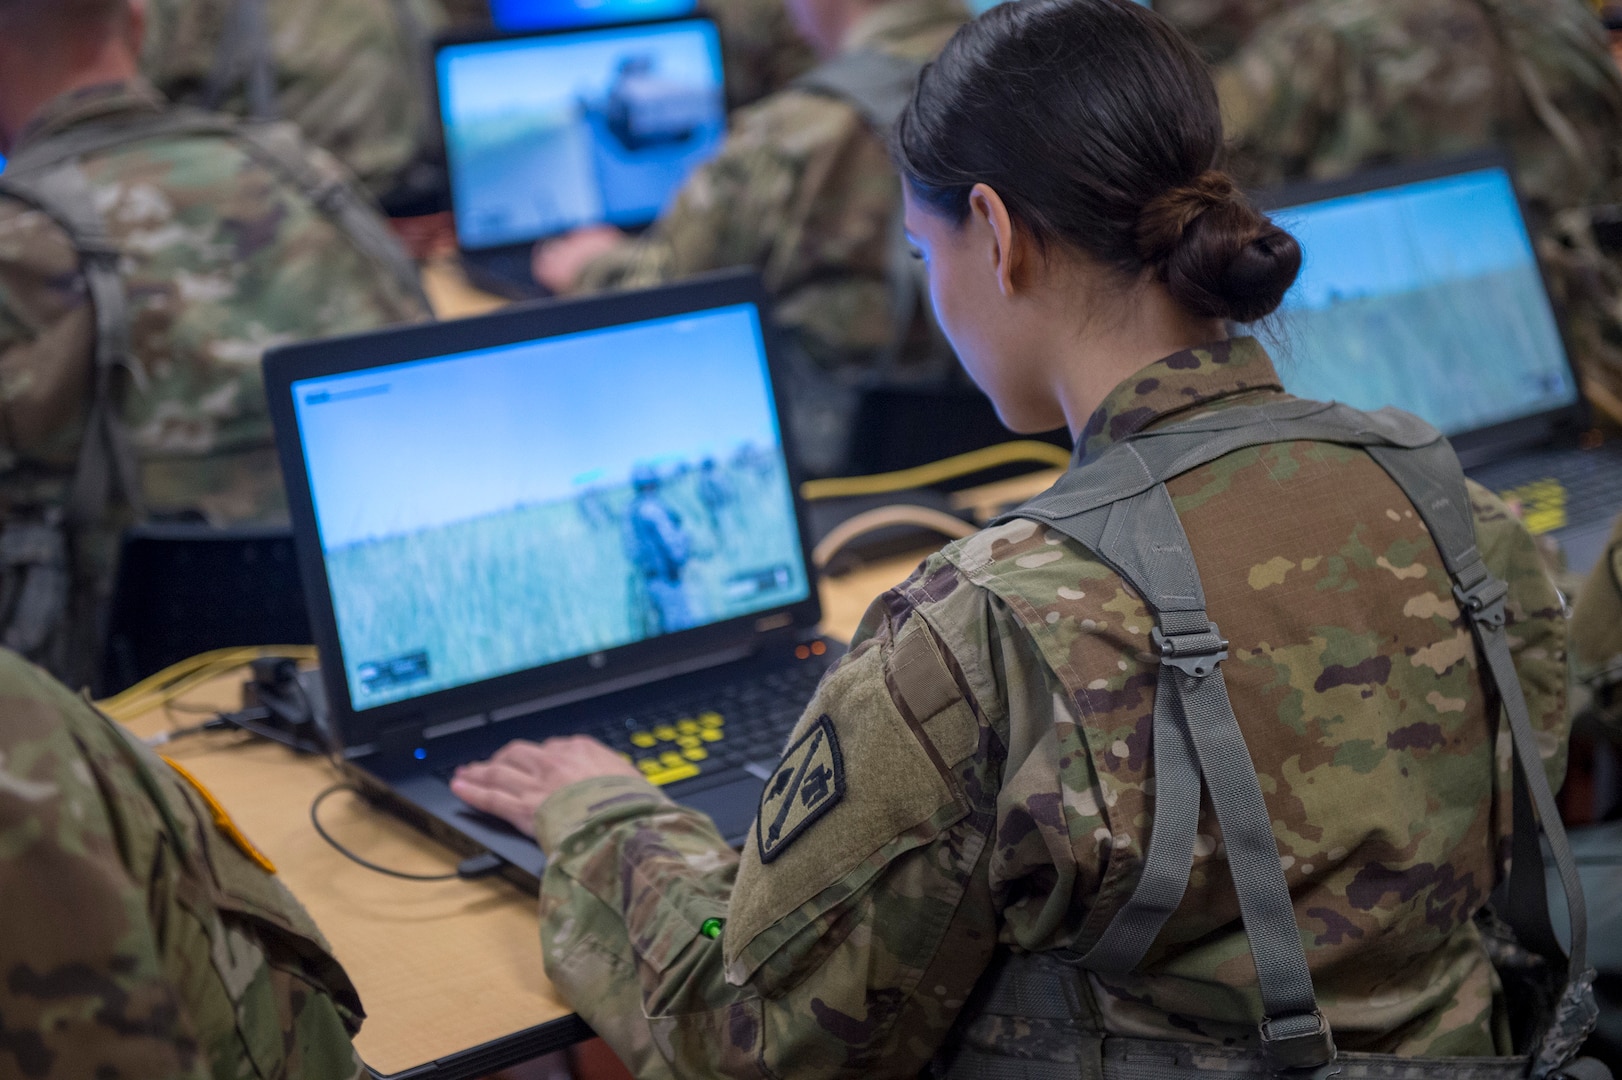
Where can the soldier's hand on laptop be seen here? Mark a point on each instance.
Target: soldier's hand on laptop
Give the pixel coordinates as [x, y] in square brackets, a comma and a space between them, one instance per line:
[558, 263]
[522, 775]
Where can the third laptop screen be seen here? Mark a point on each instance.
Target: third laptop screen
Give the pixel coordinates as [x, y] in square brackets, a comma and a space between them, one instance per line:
[547, 133]
[1426, 296]
[494, 511]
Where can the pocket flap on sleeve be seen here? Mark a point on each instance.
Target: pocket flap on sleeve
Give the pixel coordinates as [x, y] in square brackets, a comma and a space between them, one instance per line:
[859, 786]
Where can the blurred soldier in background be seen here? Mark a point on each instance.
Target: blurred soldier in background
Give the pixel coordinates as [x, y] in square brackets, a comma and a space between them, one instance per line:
[1219, 27]
[715, 493]
[804, 190]
[658, 546]
[759, 46]
[148, 256]
[142, 939]
[352, 74]
[1596, 635]
[1326, 87]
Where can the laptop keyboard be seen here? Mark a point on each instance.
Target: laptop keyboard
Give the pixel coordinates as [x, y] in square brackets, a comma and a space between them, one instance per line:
[685, 743]
[1558, 488]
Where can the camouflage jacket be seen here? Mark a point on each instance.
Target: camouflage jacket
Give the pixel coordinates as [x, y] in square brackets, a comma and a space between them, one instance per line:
[220, 258]
[1596, 623]
[140, 940]
[803, 190]
[1007, 803]
[352, 74]
[762, 51]
[1332, 86]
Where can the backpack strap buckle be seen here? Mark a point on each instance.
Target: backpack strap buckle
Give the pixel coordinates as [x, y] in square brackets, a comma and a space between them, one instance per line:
[1301, 1042]
[1195, 654]
[1483, 601]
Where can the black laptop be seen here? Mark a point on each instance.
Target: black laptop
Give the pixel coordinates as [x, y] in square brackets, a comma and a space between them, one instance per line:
[571, 517]
[548, 132]
[1421, 288]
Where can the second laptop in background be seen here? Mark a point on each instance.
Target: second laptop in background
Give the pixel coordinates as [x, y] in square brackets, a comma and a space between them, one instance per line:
[553, 131]
[1420, 288]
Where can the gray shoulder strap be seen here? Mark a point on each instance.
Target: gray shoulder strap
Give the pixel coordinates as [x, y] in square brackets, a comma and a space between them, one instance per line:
[1197, 736]
[1434, 482]
[242, 57]
[1118, 507]
[278, 147]
[95, 138]
[877, 84]
[106, 457]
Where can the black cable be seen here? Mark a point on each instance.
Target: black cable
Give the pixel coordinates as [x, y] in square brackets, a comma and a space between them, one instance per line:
[315, 819]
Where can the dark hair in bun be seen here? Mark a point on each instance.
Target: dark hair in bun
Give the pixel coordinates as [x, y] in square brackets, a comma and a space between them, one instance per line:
[1098, 125]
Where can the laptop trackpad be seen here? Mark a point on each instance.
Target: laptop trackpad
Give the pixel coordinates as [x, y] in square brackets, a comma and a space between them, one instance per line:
[732, 806]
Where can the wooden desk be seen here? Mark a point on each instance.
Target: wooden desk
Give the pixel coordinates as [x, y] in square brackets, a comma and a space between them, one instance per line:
[452, 294]
[442, 967]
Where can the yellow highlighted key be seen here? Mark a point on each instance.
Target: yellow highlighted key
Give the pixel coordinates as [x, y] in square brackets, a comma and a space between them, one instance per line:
[670, 758]
[684, 771]
[644, 739]
[710, 719]
[695, 753]
[687, 742]
[686, 727]
[665, 732]
[711, 735]
[649, 766]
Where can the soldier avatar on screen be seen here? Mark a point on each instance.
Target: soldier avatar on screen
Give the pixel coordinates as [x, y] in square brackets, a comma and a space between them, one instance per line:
[658, 546]
[716, 495]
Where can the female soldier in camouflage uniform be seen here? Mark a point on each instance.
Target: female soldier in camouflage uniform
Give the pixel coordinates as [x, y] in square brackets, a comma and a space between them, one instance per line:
[975, 783]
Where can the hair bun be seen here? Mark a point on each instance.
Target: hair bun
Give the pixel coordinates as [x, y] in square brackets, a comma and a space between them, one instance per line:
[1217, 254]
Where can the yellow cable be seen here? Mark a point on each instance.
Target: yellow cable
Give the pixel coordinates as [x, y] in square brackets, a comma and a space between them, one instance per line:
[888, 517]
[176, 680]
[936, 471]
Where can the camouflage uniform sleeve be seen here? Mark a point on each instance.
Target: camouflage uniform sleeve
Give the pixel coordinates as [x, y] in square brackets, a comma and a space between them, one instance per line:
[1596, 625]
[46, 336]
[1537, 629]
[859, 915]
[85, 988]
[742, 207]
[140, 941]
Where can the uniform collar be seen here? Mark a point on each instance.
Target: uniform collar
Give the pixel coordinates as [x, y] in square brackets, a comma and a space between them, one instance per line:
[86, 105]
[1182, 381]
[898, 20]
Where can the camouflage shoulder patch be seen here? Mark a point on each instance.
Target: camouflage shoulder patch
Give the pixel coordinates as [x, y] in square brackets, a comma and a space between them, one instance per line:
[809, 782]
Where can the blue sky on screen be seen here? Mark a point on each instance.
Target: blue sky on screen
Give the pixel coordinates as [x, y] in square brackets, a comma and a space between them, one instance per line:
[537, 75]
[432, 442]
[1396, 240]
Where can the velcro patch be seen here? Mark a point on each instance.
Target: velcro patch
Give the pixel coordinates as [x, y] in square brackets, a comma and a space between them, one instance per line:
[808, 783]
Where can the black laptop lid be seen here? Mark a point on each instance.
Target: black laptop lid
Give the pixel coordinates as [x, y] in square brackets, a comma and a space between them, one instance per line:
[1420, 288]
[551, 131]
[540, 501]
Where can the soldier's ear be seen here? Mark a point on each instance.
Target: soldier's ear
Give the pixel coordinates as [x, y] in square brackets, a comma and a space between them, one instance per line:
[1004, 243]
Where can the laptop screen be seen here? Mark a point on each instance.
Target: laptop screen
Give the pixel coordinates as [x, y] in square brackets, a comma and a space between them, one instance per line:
[490, 512]
[1426, 296]
[551, 132]
[519, 15]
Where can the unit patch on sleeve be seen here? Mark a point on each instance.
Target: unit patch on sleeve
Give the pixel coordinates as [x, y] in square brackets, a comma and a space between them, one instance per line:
[808, 783]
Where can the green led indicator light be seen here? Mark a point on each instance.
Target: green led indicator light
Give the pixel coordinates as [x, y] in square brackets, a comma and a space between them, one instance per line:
[711, 928]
